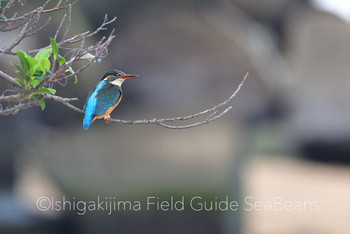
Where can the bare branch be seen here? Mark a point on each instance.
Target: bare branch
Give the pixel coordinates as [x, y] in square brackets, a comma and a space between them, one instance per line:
[8, 78]
[41, 9]
[6, 28]
[99, 50]
[64, 101]
[40, 28]
[10, 98]
[79, 37]
[163, 121]
[206, 121]
[59, 27]
[25, 32]
[19, 38]
[15, 109]
[69, 21]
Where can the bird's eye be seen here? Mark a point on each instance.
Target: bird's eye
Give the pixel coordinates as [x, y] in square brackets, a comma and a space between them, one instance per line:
[120, 74]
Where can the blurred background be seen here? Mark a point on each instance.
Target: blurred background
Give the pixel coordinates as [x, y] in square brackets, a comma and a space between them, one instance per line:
[287, 135]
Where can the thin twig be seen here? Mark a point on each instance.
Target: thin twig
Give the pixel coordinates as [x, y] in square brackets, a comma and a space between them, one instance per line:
[78, 37]
[19, 38]
[35, 11]
[59, 27]
[69, 22]
[8, 5]
[40, 28]
[15, 109]
[207, 121]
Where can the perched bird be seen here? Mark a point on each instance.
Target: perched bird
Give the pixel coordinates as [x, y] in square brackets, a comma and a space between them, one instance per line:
[104, 97]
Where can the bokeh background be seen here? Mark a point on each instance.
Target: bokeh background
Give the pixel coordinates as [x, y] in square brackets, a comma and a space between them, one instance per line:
[287, 135]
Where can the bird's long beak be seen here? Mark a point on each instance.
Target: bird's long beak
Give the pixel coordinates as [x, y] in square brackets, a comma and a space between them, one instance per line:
[129, 76]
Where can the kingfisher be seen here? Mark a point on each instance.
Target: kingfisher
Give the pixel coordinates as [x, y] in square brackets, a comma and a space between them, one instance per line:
[106, 96]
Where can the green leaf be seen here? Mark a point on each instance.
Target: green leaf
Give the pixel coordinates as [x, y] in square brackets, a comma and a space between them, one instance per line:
[45, 64]
[19, 71]
[36, 82]
[39, 75]
[19, 82]
[2, 16]
[38, 70]
[31, 62]
[22, 57]
[43, 91]
[41, 68]
[28, 63]
[45, 53]
[42, 104]
[54, 48]
[61, 60]
[72, 72]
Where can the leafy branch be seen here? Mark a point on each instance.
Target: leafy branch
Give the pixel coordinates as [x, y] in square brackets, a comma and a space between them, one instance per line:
[41, 68]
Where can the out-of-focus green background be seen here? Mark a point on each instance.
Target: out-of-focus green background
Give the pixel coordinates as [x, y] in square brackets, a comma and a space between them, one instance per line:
[287, 136]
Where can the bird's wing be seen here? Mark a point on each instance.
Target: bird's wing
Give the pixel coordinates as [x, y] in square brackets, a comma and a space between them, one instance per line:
[87, 99]
[107, 97]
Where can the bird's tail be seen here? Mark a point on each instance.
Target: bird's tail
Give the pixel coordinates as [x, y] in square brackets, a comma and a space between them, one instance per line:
[88, 119]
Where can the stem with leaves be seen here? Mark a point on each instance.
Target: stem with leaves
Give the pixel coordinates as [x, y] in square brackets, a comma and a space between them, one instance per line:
[41, 68]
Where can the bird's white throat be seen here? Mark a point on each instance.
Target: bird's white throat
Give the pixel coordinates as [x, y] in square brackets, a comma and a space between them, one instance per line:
[118, 82]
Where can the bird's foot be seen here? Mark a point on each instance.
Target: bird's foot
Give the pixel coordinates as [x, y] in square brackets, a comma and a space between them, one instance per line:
[107, 119]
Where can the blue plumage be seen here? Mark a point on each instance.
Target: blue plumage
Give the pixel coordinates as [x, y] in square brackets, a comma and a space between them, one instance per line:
[100, 100]
[104, 97]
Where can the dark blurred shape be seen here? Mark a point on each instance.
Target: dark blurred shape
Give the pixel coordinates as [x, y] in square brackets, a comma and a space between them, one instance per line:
[266, 10]
[153, 222]
[14, 219]
[327, 151]
[318, 52]
[7, 174]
